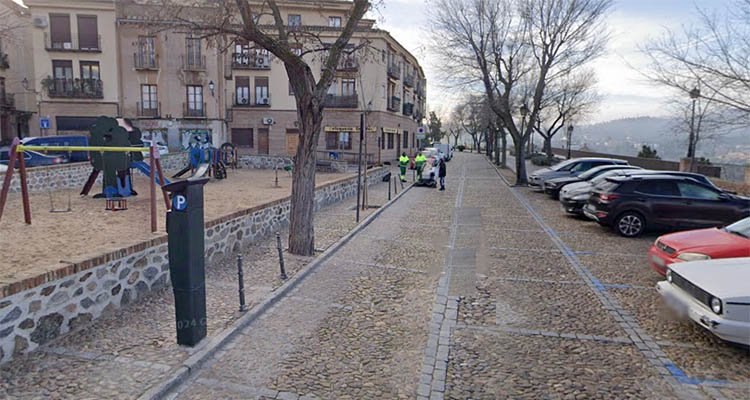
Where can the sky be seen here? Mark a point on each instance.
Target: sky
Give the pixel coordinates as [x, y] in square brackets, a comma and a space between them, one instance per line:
[625, 93]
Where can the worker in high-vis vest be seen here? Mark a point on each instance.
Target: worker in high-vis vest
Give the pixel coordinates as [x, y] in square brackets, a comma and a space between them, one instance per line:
[403, 163]
[419, 161]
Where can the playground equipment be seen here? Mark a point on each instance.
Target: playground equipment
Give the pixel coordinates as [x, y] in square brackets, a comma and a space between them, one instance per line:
[229, 155]
[204, 158]
[116, 184]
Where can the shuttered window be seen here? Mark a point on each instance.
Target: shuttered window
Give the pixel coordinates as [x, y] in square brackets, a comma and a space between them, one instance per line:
[59, 27]
[242, 90]
[261, 91]
[88, 33]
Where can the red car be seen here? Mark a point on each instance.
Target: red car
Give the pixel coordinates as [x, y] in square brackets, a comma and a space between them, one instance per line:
[702, 244]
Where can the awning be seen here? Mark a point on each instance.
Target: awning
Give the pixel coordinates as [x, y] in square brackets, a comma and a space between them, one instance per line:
[390, 130]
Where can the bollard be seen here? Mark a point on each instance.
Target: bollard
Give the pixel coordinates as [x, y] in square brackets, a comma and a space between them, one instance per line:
[389, 190]
[241, 281]
[395, 188]
[281, 257]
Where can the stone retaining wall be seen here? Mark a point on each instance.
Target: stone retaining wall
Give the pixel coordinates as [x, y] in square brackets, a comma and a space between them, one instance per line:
[74, 176]
[36, 311]
[263, 162]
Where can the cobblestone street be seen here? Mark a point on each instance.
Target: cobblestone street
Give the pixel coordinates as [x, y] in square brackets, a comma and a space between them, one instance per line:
[484, 291]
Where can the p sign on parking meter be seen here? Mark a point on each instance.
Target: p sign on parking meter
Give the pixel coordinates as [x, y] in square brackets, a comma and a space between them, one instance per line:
[186, 264]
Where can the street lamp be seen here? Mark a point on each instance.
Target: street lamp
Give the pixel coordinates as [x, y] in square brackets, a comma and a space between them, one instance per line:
[211, 87]
[524, 111]
[570, 138]
[694, 95]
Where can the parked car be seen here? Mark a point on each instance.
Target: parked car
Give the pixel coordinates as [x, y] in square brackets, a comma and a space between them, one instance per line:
[34, 159]
[572, 167]
[714, 294]
[75, 156]
[161, 147]
[432, 152]
[3, 168]
[552, 186]
[446, 149]
[575, 195]
[702, 244]
[633, 204]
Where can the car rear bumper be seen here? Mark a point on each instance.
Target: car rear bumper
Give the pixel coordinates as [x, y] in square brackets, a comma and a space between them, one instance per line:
[687, 306]
[595, 214]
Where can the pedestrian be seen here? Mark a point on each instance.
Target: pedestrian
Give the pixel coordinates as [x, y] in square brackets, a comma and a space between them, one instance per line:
[403, 163]
[441, 173]
[419, 161]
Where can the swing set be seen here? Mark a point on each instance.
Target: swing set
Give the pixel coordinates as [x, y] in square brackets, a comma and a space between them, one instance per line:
[16, 158]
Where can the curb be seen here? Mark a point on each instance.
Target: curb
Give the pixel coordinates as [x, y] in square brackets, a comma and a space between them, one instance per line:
[182, 372]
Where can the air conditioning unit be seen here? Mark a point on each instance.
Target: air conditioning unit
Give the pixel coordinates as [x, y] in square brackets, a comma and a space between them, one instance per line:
[268, 121]
[67, 45]
[261, 62]
[39, 21]
[264, 101]
[244, 100]
[350, 64]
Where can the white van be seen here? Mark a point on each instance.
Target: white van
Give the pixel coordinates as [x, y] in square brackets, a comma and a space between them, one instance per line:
[446, 149]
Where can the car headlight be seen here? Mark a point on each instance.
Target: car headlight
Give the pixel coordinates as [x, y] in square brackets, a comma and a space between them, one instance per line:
[693, 257]
[669, 275]
[716, 305]
[581, 197]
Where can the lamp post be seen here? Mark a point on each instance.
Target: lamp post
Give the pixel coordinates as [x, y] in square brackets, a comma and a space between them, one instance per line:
[211, 87]
[694, 95]
[570, 138]
[524, 111]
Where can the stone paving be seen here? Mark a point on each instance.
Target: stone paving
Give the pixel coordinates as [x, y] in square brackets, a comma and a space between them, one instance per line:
[484, 291]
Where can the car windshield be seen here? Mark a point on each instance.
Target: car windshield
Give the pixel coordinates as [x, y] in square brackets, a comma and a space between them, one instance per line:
[563, 166]
[594, 172]
[741, 228]
[603, 177]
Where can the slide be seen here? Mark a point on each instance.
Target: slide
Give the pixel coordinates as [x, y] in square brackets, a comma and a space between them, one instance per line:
[201, 170]
[146, 170]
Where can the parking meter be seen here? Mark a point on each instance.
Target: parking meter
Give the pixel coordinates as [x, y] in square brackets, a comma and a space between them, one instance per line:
[186, 262]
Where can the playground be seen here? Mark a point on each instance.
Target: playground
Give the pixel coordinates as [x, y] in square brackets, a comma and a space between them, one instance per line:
[88, 230]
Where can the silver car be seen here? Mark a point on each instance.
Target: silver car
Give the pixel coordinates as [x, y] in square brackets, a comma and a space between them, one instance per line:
[572, 167]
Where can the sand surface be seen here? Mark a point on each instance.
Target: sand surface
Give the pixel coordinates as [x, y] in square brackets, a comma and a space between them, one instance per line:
[54, 239]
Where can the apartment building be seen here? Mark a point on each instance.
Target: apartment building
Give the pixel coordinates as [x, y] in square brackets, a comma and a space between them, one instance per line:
[178, 86]
[17, 100]
[76, 66]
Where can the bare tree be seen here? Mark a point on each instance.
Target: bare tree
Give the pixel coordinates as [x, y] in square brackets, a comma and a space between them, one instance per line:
[712, 55]
[456, 123]
[565, 100]
[477, 120]
[261, 22]
[514, 47]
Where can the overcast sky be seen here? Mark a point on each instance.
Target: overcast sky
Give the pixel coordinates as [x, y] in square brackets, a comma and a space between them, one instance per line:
[624, 91]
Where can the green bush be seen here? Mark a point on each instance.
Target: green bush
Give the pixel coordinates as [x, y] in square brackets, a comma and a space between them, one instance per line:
[543, 160]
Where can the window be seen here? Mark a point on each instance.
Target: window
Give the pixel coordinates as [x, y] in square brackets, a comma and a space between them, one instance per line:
[348, 87]
[241, 54]
[382, 140]
[294, 20]
[332, 140]
[62, 73]
[193, 48]
[658, 188]
[334, 22]
[345, 142]
[88, 33]
[406, 139]
[194, 100]
[3, 95]
[242, 137]
[146, 52]
[693, 191]
[261, 91]
[149, 100]
[59, 27]
[390, 140]
[90, 77]
[242, 90]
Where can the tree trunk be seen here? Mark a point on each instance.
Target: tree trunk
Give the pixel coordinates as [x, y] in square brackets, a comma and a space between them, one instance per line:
[455, 141]
[521, 178]
[548, 146]
[504, 150]
[301, 228]
[488, 144]
[496, 148]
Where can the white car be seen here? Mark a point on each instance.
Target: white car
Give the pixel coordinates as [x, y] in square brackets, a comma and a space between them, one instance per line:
[3, 167]
[161, 147]
[714, 293]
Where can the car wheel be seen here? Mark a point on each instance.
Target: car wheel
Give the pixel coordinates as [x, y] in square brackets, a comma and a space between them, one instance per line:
[630, 224]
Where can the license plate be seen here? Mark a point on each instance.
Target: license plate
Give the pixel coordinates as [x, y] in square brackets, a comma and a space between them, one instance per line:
[658, 261]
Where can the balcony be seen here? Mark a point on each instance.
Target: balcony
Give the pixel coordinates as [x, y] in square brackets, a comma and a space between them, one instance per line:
[74, 88]
[394, 72]
[193, 63]
[4, 61]
[194, 110]
[56, 45]
[346, 64]
[149, 112]
[408, 109]
[146, 61]
[251, 61]
[409, 80]
[7, 100]
[337, 101]
[394, 104]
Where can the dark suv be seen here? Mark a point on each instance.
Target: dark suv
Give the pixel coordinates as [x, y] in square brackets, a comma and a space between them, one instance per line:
[632, 204]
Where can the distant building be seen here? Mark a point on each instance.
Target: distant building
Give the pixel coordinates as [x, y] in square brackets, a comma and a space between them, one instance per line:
[17, 100]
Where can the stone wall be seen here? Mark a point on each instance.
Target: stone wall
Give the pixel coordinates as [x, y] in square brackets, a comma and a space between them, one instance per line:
[64, 300]
[74, 176]
[263, 162]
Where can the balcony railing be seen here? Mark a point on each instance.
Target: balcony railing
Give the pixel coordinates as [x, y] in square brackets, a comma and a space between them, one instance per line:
[7, 100]
[408, 108]
[409, 80]
[394, 104]
[247, 102]
[394, 72]
[193, 63]
[54, 44]
[4, 61]
[148, 112]
[194, 110]
[337, 101]
[346, 64]
[251, 61]
[74, 88]
[145, 61]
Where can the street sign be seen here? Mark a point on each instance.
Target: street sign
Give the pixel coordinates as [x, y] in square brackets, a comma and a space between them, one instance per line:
[44, 123]
[179, 202]
[421, 133]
